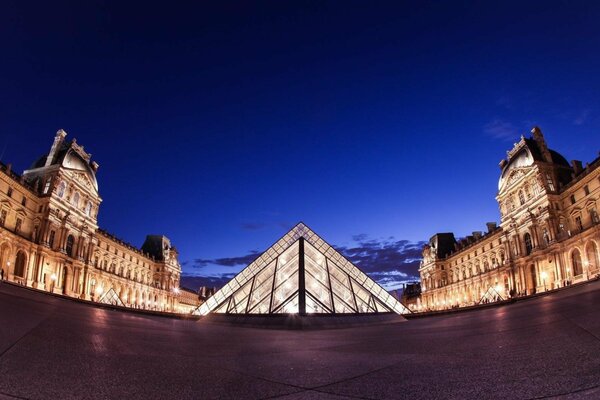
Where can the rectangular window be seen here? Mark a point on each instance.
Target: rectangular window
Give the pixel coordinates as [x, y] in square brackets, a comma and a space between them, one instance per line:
[550, 182]
[18, 225]
[51, 239]
[3, 214]
[572, 199]
[9, 192]
[24, 201]
[47, 185]
[578, 223]
[586, 189]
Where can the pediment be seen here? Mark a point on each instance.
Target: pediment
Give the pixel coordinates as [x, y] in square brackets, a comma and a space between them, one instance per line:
[514, 176]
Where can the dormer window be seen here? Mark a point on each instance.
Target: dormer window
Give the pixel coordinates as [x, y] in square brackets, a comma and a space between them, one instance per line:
[47, 185]
[550, 182]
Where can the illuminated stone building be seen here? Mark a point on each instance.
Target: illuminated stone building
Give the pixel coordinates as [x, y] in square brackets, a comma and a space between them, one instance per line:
[50, 239]
[549, 235]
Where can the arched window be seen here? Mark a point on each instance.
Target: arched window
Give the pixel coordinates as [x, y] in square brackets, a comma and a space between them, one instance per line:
[61, 189]
[20, 264]
[576, 262]
[76, 199]
[528, 243]
[521, 197]
[69, 246]
[592, 256]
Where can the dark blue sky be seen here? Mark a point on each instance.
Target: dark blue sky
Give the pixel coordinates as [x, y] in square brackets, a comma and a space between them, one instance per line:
[221, 126]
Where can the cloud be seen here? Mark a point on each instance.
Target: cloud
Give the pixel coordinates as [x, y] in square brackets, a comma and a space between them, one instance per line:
[194, 282]
[227, 261]
[252, 226]
[500, 129]
[581, 117]
[389, 262]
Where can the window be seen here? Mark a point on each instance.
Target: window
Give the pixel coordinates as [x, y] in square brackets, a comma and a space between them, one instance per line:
[75, 200]
[18, 225]
[20, 264]
[578, 223]
[69, 246]
[40, 209]
[88, 208]
[521, 197]
[61, 189]
[24, 201]
[594, 215]
[546, 236]
[592, 256]
[576, 262]
[3, 214]
[528, 243]
[51, 239]
[550, 182]
[9, 192]
[572, 199]
[586, 189]
[47, 185]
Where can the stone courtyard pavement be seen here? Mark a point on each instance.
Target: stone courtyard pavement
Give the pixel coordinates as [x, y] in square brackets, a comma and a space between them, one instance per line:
[53, 348]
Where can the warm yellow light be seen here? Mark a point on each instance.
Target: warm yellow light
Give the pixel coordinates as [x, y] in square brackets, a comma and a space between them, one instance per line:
[53, 277]
[99, 290]
[176, 290]
[544, 275]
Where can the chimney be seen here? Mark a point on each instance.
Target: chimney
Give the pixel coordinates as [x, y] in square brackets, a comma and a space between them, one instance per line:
[577, 167]
[477, 235]
[58, 139]
[538, 136]
[8, 168]
[491, 226]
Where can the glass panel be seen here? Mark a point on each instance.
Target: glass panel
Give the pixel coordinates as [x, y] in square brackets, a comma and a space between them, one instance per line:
[222, 308]
[318, 290]
[341, 286]
[314, 307]
[342, 307]
[363, 298]
[239, 300]
[263, 284]
[284, 290]
[290, 307]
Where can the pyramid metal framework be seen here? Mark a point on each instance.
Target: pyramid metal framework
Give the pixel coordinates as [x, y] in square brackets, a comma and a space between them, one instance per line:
[301, 274]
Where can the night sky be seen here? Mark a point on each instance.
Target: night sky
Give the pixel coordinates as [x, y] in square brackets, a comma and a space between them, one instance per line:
[223, 125]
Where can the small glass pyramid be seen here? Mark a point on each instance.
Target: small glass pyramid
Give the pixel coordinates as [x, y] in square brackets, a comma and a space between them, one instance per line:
[301, 274]
[111, 297]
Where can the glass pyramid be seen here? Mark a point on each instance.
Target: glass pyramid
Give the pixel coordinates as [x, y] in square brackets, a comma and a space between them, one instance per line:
[111, 297]
[301, 274]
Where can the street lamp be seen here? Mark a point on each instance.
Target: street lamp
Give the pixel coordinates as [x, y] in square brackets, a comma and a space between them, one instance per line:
[544, 276]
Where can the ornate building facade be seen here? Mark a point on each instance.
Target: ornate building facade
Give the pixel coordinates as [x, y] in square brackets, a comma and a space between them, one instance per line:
[549, 235]
[50, 239]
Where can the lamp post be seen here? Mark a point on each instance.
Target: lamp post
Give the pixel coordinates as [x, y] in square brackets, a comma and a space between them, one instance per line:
[544, 276]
